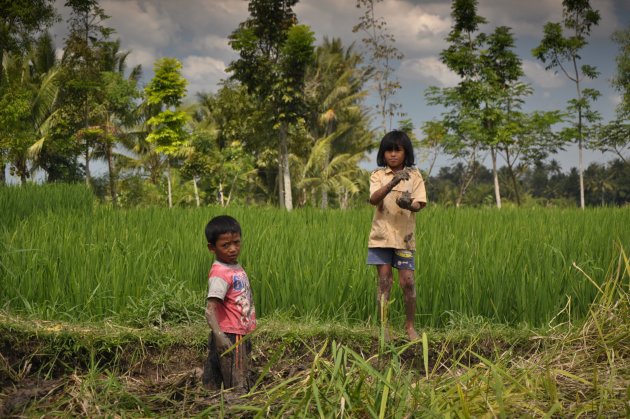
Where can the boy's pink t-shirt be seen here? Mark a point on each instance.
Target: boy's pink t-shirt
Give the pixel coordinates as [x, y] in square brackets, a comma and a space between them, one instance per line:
[230, 284]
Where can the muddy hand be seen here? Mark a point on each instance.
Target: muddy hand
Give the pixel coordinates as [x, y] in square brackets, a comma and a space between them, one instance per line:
[400, 176]
[404, 201]
[222, 342]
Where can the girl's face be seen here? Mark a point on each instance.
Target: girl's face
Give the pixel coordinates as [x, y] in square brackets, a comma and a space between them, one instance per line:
[395, 159]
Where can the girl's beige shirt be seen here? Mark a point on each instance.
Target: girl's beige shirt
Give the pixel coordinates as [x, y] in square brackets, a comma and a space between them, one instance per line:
[393, 226]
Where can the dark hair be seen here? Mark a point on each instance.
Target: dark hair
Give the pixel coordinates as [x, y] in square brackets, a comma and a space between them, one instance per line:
[220, 225]
[395, 140]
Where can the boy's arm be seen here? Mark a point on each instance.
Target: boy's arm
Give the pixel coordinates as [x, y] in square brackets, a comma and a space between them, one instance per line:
[222, 341]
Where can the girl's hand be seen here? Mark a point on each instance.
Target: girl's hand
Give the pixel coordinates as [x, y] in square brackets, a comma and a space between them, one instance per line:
[399, 177]
[404, 201]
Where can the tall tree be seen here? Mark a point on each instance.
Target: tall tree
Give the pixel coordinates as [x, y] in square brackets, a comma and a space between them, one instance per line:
[500, 70]
[615, 136]
[383, 54]
[463, 102]
[28, 94]
[166, 90]
[334, 90]
[273, 55]
[560, 51]
[81, 65]
[20, 22]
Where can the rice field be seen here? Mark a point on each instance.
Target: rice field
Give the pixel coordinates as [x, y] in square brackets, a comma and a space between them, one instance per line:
[64, 257]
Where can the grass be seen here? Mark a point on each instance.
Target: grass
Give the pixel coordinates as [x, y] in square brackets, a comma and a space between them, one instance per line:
[316, 369]
[70, 259]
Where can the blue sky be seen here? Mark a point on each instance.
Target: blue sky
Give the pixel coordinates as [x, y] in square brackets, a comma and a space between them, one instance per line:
[196, 32]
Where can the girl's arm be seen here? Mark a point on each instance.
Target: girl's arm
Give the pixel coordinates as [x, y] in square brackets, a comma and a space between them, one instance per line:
[381, 193]
[405, 202]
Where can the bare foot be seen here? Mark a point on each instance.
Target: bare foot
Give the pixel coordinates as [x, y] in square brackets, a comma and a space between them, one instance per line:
[411, 332]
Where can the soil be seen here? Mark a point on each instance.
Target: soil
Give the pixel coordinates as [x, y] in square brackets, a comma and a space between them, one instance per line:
[164, 379]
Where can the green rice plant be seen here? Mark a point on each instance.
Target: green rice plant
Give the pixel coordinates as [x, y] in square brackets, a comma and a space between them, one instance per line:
[17, 203]
[513, 266]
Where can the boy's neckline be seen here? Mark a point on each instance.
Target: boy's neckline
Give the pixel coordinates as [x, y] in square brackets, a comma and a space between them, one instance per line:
[227, 264]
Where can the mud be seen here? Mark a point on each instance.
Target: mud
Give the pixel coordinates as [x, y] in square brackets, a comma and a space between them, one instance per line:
[166, 381]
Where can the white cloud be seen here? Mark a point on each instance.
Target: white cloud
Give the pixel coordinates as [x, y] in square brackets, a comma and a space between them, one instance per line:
[429, 70]
[546, 79]
[139, 55]
[146, 23]
[615, 99]
[202, 73]
[414, 28]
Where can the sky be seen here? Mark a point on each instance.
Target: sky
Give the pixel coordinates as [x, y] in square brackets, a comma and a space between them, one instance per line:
[196, 32]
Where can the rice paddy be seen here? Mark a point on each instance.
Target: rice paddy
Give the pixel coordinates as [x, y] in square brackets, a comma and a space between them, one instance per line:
[522, 313]
[72, 259]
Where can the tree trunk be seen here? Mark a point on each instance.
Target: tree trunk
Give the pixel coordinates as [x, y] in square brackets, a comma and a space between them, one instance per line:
[286, 174]
[231, 189]
[110, 164]
[324, 203]
[468, 178]
[3, 175]
[510, 165]
[344, 199]
[168, 184]
[581, 170]
[495, 175]
[194, 179]
[112, 176]
[280, 182]
[87, 163]
[221, 194]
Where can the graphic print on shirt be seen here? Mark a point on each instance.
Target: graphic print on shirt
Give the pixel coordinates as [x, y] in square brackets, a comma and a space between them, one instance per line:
[241, 283]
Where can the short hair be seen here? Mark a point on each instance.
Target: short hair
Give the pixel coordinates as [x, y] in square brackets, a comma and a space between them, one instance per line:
[395, 140]
[220, 225]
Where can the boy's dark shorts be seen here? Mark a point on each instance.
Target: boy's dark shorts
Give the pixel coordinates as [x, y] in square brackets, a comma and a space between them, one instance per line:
[231, 369]
[398, 258]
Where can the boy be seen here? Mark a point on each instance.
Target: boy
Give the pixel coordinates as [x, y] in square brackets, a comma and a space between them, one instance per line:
[230, 308]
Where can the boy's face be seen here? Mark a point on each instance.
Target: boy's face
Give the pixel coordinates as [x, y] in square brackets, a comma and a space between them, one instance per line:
[227, 248]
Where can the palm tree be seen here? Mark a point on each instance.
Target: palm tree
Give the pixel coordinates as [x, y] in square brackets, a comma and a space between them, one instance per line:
[334, 87]
[31, 79]
[322, 174]
[114, 112]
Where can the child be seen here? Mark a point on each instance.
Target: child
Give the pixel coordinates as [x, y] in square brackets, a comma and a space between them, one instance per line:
[398, 193]
[230, 308]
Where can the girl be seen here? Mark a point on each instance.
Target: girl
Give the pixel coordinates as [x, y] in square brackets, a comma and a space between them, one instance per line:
[397, 191]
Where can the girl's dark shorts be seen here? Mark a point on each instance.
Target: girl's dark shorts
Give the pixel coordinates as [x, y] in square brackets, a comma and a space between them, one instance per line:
[397, 258]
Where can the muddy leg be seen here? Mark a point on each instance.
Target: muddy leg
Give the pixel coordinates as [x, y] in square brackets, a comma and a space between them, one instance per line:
[407, 283]
[211, 378]
[240, 370]
[385, 280]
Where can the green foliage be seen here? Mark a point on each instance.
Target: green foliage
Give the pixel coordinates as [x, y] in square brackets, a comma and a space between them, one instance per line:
[168, 133]
[21, 21]
[621, 81]
[167, 87]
